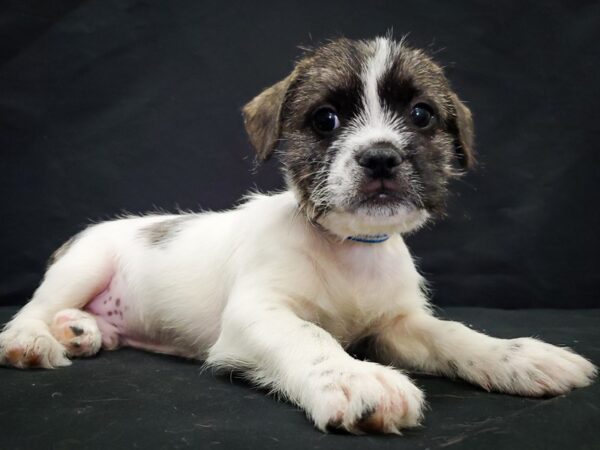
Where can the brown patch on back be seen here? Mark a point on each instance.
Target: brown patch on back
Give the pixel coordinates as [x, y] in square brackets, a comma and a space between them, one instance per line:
[160, 233]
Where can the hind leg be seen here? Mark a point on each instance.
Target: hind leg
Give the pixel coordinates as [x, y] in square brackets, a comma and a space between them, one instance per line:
[82, 272]
[77, 331]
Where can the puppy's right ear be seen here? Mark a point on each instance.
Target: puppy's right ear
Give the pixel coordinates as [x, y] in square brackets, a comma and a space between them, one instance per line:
[463, 126]
[262, 117]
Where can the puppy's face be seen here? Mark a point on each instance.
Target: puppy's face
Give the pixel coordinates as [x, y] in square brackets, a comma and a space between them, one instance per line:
[369, 134]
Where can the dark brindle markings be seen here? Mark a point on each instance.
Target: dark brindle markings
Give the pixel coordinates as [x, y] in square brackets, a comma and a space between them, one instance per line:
[330, 75]
[280, 118]
[320, 359]
[160, 233]
[514, 377]
[453, 367]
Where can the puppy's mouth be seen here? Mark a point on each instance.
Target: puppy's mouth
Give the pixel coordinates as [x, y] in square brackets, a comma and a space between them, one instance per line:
[381, 189]
[383, 193]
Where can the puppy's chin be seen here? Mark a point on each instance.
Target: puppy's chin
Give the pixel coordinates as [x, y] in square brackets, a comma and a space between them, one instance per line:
[373, 219]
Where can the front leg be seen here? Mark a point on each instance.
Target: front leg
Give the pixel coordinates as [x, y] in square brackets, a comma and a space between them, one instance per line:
[523, 366]
[290, 356]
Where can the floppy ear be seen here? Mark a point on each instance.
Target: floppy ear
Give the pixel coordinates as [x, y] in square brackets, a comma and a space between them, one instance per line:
[262, 117]
[463, 124]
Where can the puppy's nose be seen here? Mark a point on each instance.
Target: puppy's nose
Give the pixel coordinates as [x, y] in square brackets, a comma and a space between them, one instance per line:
[379, 162]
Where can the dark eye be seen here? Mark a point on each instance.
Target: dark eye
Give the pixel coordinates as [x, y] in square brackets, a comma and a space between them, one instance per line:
[421, 115]
[325, 120]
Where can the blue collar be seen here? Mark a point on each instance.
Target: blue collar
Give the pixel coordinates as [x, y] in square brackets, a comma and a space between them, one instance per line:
[370, 238]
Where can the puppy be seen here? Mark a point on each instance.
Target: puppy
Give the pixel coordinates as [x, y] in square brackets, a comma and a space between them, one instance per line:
[369, 134]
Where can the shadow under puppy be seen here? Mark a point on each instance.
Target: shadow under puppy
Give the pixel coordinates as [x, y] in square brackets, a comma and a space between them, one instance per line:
[369, 134]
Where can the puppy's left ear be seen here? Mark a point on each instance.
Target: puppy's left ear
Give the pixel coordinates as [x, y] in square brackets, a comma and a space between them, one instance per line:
[262, 117]
[462, 122]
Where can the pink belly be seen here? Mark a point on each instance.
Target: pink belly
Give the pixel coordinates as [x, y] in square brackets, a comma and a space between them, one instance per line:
[113, 312]
[110, 305]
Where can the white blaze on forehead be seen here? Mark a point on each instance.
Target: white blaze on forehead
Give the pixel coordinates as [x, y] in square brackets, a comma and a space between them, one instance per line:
[376, 123]
[373, 124]
[374, 69]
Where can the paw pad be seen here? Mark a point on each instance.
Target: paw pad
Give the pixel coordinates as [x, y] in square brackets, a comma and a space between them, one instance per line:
[77, 331]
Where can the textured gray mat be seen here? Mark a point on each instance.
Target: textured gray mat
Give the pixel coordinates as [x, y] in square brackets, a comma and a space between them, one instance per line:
[131, 399]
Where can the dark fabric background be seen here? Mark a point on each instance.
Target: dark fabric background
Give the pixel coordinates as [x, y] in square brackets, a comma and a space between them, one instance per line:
[124, 105]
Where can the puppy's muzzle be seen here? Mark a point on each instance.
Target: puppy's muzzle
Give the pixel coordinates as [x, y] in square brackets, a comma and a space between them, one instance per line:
[379, 163]
[380, 169]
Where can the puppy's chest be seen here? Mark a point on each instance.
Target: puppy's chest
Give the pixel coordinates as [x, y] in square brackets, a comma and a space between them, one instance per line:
[359, 287]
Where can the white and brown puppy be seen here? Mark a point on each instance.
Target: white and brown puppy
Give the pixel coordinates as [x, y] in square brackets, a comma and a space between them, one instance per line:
[369, 134]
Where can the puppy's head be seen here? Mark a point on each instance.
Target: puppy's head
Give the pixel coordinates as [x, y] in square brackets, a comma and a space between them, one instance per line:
[369, 134]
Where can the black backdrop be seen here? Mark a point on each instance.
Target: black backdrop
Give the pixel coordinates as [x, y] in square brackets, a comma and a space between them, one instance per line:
[125, 105]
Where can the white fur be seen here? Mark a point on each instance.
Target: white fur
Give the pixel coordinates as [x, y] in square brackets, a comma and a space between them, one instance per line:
[260, 289]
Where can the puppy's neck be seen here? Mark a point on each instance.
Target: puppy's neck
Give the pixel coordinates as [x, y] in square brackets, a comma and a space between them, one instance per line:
[347, 227]
[369, 238]
[371, 229]
[323, 233]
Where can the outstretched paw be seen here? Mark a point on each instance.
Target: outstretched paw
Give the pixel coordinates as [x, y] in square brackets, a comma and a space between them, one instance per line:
[530, 367]
[29, 344]
[364, 397]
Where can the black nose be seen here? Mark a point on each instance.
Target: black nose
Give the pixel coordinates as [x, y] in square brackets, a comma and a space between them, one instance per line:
[379, 162]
